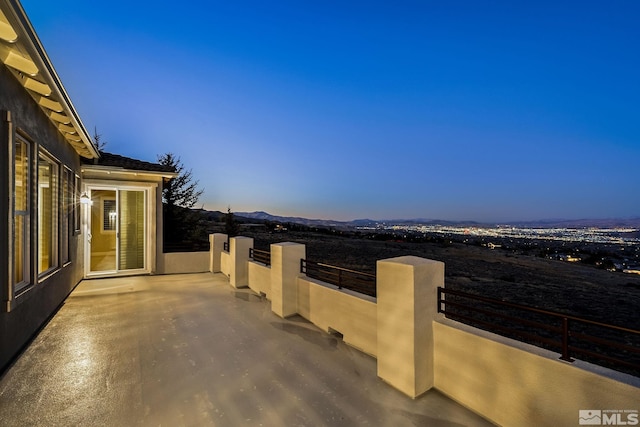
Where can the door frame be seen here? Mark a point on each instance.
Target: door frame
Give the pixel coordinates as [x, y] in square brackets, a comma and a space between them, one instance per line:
[149, 226]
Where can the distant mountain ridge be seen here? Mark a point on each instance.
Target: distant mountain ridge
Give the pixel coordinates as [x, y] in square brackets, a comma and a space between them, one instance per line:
[264, 216]
[548, 223]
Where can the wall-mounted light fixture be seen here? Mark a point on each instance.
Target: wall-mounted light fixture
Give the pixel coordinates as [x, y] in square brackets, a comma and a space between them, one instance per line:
[84, 199]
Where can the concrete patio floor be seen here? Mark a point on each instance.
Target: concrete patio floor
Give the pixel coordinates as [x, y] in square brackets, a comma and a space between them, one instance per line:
[189, 350]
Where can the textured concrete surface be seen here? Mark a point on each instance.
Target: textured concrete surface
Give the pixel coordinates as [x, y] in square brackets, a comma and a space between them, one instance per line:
[189, 350]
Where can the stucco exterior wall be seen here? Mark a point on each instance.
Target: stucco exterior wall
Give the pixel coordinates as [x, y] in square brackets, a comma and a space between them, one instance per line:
[184, 262]
[515, 387]
[260, 279]
[225, 263]
[355, 317]
[32, 308]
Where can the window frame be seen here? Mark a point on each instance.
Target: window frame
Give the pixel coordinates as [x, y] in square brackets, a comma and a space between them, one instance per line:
[66, 215]
[21, 286]
[54, 220]
[77, 211]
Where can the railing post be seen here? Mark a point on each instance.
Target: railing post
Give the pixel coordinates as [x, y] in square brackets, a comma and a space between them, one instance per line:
[566, 356]
[406, 301]
[285, 270]
[216, 245]
[239, 253]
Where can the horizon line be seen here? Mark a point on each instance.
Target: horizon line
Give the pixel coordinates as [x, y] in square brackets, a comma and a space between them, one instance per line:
[542, 220]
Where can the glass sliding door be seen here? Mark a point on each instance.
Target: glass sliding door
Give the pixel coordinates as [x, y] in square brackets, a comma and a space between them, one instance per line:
[118, 230]
[131, 226]
[102, 237]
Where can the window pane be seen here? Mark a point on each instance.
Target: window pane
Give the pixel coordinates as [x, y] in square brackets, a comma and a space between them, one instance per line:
[22, 176]
[76, 204]
[131, 229]
[21, 216]
[102, 248]
[109, 215]
[18, 250]
[47, 214]
[64, 232]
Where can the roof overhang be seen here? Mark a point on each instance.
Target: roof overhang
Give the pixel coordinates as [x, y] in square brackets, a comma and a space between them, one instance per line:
[108, 170]
[22, 52]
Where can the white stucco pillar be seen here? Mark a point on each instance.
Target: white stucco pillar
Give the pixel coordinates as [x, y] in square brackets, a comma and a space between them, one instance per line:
[285, 269]
[407, 305]
[239, 252]
[216, 246]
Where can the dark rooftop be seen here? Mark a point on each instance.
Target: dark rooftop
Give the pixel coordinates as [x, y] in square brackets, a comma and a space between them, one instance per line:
[118, 161]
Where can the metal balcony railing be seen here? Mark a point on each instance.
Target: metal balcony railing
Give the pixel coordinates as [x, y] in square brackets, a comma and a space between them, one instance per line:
[613, 346]
[357, 281]
[260, 256]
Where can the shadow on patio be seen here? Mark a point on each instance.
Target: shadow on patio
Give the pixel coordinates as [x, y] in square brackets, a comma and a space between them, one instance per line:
[191, 350]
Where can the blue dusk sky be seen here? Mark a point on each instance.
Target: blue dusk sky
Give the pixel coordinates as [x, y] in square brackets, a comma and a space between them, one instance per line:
[458, 110]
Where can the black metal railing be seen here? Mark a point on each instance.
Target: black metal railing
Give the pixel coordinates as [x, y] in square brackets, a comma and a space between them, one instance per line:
[607, 345]
[260, 256]
[358, 281]
[225, 246]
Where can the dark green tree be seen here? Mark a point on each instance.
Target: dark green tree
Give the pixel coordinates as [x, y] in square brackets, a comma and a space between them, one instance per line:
[99, 142]
[231, 226]
[180, 191]
[182, 226]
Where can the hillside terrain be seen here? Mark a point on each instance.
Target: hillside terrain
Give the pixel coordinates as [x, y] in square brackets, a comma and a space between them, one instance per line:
[581, 290]
[549, 223]
[532, 272]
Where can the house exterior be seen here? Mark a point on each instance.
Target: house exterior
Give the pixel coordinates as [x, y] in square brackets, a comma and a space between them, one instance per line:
[124, 217]
[49, 240]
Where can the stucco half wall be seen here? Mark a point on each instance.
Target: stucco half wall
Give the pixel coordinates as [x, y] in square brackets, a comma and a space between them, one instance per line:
[355, 317]
[225, 263]
[515, 387]
[184, 262]
[260, 279]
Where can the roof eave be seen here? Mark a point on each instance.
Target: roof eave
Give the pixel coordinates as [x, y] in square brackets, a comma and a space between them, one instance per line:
[116, 169]
[32, 44]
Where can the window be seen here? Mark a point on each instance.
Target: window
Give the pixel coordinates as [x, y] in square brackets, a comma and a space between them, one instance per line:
[21, 226]
[43, 215]
[76, 204]
[109, 215]
[48, 211]
[67, 215]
